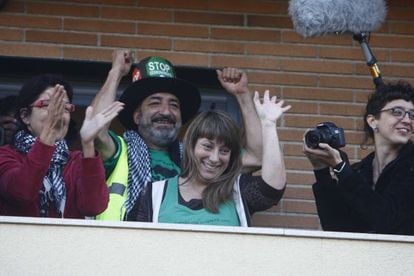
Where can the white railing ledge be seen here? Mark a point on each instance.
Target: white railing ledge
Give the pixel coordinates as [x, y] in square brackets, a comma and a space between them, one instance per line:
[46, 246]
[206, 228]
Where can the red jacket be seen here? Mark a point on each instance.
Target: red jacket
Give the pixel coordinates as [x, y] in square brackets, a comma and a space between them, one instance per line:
[21, 179]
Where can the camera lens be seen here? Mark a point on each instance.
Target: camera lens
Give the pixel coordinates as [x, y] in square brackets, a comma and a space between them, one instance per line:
[312, 139]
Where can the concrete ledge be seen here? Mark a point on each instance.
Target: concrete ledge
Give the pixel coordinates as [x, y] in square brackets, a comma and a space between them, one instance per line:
[35, 246]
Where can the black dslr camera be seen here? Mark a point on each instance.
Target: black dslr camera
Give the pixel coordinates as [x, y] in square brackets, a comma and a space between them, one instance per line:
[325, 132]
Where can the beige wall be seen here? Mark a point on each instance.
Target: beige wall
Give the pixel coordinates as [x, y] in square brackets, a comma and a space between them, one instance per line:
[32, 246]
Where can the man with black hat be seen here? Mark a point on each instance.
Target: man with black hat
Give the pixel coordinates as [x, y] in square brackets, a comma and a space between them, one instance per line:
[157, 103]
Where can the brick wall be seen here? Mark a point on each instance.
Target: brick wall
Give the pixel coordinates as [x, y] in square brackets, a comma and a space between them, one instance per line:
[324, 78]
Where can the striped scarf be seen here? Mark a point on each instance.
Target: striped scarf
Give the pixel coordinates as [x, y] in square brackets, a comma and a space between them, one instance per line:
[53, 184]
[139, 165]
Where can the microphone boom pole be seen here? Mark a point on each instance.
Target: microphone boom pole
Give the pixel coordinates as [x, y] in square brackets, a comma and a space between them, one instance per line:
[362, 38]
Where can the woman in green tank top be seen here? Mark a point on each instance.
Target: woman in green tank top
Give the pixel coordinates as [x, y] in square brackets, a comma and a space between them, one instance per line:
[211, 188]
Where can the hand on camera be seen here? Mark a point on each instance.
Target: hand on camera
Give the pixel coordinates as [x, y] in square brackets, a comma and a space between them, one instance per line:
[322, 157]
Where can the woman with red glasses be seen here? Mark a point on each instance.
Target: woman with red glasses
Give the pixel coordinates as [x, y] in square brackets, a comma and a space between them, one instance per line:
[375, 195]
[39, 176]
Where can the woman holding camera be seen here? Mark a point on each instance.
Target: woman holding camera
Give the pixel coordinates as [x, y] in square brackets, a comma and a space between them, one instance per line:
[211, 189]
[39, 176]
[375, 195]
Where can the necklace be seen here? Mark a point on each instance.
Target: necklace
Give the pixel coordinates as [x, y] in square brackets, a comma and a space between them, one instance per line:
[376, 171]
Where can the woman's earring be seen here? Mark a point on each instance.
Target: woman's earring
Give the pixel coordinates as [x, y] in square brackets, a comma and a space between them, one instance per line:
[375, 128]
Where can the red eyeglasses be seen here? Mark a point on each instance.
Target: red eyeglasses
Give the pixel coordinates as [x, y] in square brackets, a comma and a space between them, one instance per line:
[45, 103]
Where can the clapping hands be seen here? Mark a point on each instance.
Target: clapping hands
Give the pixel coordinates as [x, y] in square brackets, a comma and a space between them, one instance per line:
[93, 124]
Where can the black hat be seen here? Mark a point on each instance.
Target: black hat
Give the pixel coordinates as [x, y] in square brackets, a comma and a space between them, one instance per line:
[153, 75]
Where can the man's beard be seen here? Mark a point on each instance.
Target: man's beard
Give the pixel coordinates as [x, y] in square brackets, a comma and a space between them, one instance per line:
[161, 136]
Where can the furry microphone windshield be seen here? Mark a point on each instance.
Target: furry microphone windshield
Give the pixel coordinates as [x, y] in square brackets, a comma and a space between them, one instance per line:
[358, 17]
[320, 17]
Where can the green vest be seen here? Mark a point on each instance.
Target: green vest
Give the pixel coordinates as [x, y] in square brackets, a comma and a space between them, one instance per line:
[117, 184]
[173, 212]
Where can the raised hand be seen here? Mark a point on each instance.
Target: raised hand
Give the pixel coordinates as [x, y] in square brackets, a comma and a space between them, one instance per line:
[273, 168]
[122, 60]
[233, 80]
[93, 124]
[121, 65]
[57, 120]
[270, 109]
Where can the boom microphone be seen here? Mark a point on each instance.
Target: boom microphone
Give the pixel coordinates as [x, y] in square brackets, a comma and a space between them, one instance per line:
[321, 17]
[358, 17]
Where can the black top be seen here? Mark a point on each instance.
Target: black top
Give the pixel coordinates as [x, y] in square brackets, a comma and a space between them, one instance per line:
[355, 204]
[256, 194]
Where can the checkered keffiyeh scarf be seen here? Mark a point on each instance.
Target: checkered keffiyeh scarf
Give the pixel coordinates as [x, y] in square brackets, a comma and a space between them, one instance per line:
[53, 184]
[139, 166]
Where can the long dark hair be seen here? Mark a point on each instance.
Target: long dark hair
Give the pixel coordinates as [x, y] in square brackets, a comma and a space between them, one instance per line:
[221, 127]
[384, 94]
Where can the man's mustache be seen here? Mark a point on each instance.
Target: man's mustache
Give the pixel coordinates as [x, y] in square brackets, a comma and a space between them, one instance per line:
[163, 118]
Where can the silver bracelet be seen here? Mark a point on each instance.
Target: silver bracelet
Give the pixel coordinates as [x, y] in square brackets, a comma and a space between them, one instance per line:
[340, 170]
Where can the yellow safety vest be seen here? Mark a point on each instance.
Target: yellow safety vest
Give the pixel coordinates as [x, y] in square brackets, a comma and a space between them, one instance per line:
[117, 184]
